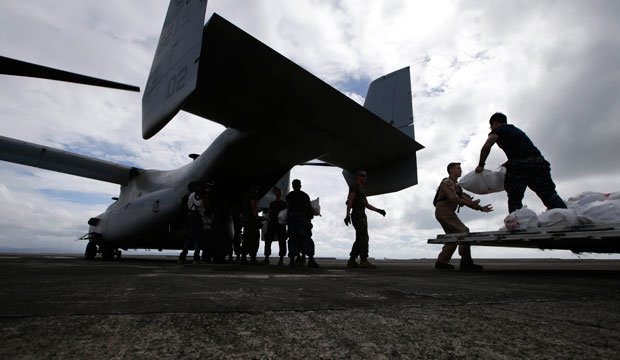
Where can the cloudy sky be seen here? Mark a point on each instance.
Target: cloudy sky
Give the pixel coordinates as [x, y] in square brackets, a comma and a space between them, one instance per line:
[551, 66]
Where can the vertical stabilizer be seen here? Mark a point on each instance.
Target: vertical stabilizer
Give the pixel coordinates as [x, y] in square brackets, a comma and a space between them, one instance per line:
[389, 97]
[175, 66]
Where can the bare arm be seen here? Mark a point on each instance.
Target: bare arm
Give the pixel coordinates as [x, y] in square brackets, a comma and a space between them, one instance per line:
[484, 152]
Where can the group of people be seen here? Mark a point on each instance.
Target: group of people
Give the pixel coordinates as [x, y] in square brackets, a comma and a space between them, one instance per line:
[526, 167]
[208, 218]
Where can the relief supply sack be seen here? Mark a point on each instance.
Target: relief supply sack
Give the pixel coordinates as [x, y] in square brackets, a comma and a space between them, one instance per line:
[485, 182]
[282, 217]
[559, 217]
[316, 207]
[601, 212]
[521, 219]
[586, 198]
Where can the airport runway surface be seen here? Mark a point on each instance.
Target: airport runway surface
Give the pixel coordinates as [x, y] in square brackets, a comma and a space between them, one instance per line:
[65, 307]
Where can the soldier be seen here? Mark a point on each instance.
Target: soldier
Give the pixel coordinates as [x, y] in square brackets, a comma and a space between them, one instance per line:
[526, 167]
[275, 230]
[298, 219]
[195, 232]
[358, 203]
[450, 196]
[251, 225]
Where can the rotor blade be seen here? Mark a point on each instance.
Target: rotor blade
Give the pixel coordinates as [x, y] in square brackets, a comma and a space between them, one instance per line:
[10, 66]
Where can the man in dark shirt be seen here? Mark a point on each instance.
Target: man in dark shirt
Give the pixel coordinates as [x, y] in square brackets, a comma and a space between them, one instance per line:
[299, 214]
[526, 167]
[358, 203]
[275, 230]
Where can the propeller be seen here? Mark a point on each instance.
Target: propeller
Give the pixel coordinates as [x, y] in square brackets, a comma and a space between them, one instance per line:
[10, 66]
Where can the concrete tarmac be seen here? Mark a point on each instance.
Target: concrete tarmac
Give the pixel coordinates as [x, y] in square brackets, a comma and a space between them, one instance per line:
[65, 307]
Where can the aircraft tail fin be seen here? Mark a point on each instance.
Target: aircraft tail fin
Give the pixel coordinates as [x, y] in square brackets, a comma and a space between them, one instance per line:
[175, 66]
[389, 97]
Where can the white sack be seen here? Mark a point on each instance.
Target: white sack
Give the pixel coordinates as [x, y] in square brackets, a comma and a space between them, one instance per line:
[485, 182]
[316, 207]
[521, 219]
[606, 212]
[586, 198]
[559, 217]
[282, 217]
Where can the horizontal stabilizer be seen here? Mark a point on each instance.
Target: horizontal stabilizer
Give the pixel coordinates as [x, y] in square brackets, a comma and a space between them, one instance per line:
[44, 157]
[245, 85]
[10, 66]
[175, 65]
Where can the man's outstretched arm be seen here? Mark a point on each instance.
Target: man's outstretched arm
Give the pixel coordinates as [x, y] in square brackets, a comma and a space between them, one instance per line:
[486, 149]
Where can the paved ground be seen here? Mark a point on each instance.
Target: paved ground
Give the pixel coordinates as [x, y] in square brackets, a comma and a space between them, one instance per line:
[151, 307]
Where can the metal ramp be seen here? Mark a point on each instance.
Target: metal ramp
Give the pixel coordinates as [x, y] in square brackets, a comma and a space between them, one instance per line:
[583, 238]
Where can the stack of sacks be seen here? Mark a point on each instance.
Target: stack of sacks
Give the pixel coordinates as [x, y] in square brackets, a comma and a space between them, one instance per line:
[586, 208]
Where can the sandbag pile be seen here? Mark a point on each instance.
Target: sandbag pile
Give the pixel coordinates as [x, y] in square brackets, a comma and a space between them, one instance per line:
[586, 208]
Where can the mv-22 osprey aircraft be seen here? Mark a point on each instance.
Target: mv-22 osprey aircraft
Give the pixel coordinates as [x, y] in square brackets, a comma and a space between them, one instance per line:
[221, 73]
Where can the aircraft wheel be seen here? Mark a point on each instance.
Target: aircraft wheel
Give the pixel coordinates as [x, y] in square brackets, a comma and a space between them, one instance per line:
[118, 254]
[91, 250]
[107, 252]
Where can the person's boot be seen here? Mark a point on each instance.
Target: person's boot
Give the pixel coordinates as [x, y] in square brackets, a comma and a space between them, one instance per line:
[291, 262]
[468, 265]
[312, 263]
[443, 266]
[352, 263]
[281, 261]
[266, 261]
[244, 260]
[365, 264]
[253, 260]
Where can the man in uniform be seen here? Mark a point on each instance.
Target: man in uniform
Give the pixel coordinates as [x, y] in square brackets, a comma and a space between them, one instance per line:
[275, 230]
[526, 167]
[358, 203]
[449, 197]
[195, 231]
[251, 225]
[298, 219]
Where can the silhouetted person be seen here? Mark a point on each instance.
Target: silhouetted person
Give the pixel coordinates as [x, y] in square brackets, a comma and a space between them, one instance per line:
[356, 214]
[251, 224]
[275, 230]
[450, 196]
[526, 167]
[195, 231]
[298, 220]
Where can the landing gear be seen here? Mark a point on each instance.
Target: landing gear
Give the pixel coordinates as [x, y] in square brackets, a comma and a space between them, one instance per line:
[107, 251]
[118, 254]
[91, 250]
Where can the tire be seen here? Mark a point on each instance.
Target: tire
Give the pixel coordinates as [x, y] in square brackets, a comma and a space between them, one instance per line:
[91, 250]
[107, 251]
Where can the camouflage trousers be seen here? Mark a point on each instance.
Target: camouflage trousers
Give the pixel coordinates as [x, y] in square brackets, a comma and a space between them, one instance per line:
[535, 173]
[360, 246]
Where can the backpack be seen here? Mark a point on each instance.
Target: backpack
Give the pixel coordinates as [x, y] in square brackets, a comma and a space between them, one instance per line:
[436, 198]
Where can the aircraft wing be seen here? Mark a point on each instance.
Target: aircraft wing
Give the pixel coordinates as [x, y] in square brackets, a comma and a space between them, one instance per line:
[44, 157]
[578, 239]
